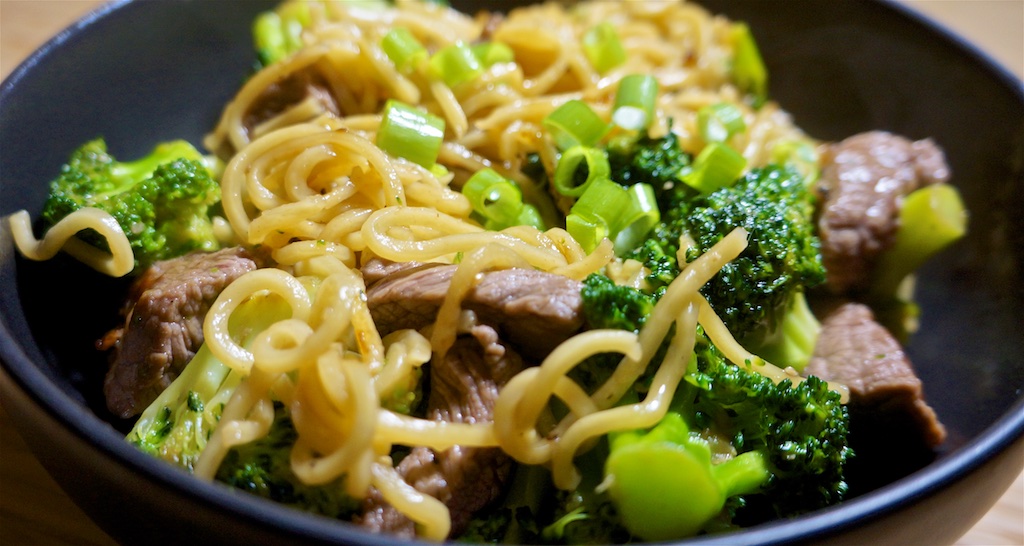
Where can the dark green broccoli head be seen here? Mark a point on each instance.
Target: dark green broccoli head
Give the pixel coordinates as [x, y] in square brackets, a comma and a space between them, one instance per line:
[608, 305]
[802, 429]
[82, 180]
[655, 161]
[783, 254]
[263, 468]
[162, 201]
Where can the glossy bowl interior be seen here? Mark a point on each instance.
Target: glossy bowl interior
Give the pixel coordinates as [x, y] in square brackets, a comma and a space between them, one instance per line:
[140, 72]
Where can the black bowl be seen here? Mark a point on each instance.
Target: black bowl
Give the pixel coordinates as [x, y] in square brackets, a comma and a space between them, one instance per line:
[140, 72]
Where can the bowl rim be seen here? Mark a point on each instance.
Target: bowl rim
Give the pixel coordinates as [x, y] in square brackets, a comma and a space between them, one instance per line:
[18, 371]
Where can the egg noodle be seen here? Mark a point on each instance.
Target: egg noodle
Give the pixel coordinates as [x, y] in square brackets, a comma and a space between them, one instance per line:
[309, 185]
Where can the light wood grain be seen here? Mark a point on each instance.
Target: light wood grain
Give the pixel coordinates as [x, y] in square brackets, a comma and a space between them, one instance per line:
[34, 510]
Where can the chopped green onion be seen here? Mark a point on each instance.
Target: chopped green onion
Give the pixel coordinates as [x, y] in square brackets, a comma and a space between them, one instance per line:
[455, 64]
[593, 216]
[499, 202]
[748, 68]
[494, 197]
[578, 167]
[588, 232]
[635, 101]
[411, 133]
[530, 216]
[278, 34]
[638, 220]
[439, 171]
[719, 122]
[491, 53]
[608, 210]
[800, 155]
[575, 124]
[603, 48]
[402, 48]
[716, 166]
[269, 38]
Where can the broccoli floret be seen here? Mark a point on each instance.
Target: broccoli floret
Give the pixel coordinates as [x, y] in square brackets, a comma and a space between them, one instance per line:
[801, 429]
[755, 292]
[161, 201]
[608, 305]
[177, 425]
[587, 514]
[783, 254]
[655, 161]
[263, 468]
[734, 447]
[517, 520]
[488, 529]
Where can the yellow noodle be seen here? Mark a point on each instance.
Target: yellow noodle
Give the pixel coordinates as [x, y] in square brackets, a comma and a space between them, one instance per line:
[119, 261]
[524, 398]
[215, 327]
[429, 512]
[462, 282]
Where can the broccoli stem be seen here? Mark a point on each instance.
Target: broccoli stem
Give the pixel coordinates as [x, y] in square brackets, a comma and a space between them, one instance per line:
[177, 425]
[931, 219]
[665, 485]
[792, 343]
[130, 173]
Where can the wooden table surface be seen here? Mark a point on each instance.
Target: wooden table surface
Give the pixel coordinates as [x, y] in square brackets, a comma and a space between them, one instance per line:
[33, 509]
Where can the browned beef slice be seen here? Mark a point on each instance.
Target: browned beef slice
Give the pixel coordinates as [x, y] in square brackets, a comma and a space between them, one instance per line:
[533, 310]
[863, 181]
[856, 351]
[463, 389]
[163, 327]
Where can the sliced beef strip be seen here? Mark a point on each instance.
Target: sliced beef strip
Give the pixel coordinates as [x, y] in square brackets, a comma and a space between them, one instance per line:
[463, 389]
[885, 393]
[163, 325]
[533, 310]
[863, 181]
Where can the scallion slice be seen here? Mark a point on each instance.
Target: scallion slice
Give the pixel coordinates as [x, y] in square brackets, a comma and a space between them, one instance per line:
[638, 220]
[603, 48]
[578, 167]
[493, 196]
[498, 202]
[588, 231]
[402, 48]
[716, 166]
[720, 121]
[575, 124]
[606, 209]
[455, 64]
[278, 34]
[530, 216]
[748, 68]
[635, 101]
[491, 53]
[411, 133]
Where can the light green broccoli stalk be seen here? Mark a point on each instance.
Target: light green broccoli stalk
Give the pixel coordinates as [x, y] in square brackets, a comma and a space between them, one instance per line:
[664, 484]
